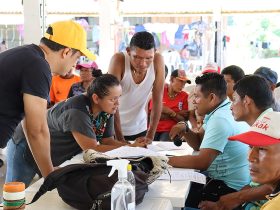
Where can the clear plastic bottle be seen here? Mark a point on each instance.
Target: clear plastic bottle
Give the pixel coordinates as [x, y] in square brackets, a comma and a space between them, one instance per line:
[130, 177]
[122, 194]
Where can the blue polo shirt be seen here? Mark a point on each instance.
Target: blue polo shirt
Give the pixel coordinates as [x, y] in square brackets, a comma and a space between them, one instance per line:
[231, 165]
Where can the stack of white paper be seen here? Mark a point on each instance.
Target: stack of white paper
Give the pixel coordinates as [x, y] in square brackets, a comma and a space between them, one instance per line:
[180, 174]
[127, 151]
[167, 146]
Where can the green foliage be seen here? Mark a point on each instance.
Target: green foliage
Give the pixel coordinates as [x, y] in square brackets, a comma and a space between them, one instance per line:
[267, 53]
[265, 24]
[262, 38]
[277, 32]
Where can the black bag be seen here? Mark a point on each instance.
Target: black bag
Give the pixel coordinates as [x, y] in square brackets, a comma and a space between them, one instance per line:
[214, 189]
[87, 186]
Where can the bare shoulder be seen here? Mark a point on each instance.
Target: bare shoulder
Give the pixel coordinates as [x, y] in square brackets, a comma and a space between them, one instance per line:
[159, 65]
[118, 57]
[117, 65]
[158, 59]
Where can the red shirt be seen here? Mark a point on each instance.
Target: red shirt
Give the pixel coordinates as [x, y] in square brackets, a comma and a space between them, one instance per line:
[178, 103]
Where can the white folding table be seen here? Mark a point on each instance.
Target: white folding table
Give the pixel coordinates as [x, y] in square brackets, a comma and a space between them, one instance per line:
[162, 194]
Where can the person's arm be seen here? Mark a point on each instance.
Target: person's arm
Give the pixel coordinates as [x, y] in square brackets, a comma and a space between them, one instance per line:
[117, 126]
[37, 132]
[116, 68]
[194, 139]
[107, 144]
[233, 200]
[202, 161]
[157, 94]
[169, 114]
[112, 141]
[174, 116]
[86, 142]
[184, 114]
[192, 119]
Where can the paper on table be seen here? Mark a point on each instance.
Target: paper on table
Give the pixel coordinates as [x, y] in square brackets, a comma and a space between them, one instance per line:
[180, 174]
[167, 146]
[155, 148]
[126, 151]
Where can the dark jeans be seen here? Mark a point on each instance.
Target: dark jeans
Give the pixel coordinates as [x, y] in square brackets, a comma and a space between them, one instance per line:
[133, 137]
[162, 136]
[211, 191]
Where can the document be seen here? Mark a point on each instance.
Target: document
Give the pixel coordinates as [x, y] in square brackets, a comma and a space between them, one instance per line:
[180, 174]
[127, 151]
[167, 146]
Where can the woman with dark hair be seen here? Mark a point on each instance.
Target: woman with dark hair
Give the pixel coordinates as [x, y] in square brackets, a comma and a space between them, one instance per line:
[79, 123]
[88, 72]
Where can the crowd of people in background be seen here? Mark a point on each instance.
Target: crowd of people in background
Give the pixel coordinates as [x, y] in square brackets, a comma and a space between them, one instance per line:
[218, 116]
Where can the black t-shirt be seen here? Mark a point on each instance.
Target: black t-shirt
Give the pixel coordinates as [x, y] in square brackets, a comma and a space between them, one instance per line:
[22, 70]
[73, 115]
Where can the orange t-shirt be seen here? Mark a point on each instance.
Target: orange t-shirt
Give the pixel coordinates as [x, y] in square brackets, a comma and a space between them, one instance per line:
[60, 87]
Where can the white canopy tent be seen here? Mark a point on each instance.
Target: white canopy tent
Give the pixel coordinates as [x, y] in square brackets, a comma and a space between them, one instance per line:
[35, 17]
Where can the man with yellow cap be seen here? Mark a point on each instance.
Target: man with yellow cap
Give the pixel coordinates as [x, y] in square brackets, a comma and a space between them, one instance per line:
[26, 77]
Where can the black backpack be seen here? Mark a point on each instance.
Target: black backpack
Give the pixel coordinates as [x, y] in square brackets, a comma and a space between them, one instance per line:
[87, 186]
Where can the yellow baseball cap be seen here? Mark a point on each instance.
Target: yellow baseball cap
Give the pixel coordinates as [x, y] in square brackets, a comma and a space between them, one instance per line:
[70, 34]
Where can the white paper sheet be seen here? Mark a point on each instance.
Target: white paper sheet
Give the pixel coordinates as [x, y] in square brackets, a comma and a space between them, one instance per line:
[127, 151]
[184, 174]
[167, 146]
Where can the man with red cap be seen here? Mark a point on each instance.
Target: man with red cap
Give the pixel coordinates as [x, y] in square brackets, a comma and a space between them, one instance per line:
[264, 139]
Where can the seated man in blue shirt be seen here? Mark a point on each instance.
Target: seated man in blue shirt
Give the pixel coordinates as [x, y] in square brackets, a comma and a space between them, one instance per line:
[252, 98]
[224, 162]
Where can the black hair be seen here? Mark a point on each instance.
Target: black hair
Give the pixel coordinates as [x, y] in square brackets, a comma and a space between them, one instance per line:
[234, 71]
[100, 86]
[257, 88]
[53, 45]
[212, 83]
[144, 40]
[267, 73]
[185, 46]
[277, 84]
[97, 73]
[165, 71]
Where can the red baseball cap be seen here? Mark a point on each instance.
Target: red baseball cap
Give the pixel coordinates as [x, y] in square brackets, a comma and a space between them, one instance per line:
[211, 68]
[265, 131]
[181, 75]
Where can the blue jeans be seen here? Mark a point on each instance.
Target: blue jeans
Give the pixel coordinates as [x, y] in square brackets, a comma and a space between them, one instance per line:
[19, 167]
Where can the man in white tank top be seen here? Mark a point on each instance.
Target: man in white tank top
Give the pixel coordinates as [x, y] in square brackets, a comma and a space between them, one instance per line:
[141, 72]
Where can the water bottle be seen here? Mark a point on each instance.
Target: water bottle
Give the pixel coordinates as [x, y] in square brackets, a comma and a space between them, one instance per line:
[122, 194]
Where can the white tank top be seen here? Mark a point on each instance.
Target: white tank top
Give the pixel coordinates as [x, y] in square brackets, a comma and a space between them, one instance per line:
[133, 100]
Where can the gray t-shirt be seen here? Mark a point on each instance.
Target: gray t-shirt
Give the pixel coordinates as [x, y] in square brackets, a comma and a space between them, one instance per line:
[73, 115]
